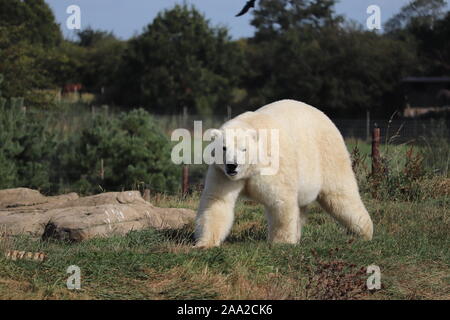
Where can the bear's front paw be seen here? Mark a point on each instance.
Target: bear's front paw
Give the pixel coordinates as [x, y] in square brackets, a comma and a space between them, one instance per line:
[205, 245]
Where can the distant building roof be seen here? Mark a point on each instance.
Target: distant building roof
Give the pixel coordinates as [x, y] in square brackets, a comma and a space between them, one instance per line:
[426, 79]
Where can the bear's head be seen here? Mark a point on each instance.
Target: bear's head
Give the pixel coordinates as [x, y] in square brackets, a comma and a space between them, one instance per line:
[238, 153]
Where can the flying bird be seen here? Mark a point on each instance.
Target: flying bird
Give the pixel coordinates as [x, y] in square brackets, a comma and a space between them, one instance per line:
[248, 5]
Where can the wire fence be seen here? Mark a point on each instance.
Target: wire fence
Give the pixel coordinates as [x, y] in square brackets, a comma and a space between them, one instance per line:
[432, 134]
[394, 131]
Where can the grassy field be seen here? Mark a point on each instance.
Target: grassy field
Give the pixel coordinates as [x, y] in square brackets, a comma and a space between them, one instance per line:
[411, 246]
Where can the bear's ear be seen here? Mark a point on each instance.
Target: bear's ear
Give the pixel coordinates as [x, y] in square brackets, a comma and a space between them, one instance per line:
[215, 134]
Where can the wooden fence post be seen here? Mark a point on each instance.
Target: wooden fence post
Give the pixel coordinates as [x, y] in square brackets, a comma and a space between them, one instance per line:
[376, 161]
[228, 112]
[185, 117]
[185, 180]
[102, 170]
[146, 195]
[367, 125]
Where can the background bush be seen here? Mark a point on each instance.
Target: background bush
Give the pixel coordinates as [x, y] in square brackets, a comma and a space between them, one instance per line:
[134, 151]
[36, 153]
[27, 148]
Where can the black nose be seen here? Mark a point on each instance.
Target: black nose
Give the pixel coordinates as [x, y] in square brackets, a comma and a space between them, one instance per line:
[231, 168]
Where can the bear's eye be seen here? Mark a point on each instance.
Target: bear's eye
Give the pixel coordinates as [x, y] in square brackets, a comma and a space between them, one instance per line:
[224, 148]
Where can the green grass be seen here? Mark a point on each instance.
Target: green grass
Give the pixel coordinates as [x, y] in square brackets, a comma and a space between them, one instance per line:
[411, 246]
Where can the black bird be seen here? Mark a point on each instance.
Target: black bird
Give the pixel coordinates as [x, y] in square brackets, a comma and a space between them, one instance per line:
[248, 5]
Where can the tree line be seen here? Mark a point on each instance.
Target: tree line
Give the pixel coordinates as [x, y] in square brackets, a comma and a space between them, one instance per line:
[301, 49]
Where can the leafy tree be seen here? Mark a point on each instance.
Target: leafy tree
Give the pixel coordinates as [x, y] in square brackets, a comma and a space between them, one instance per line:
[102, 57]
[425, 26]
[180, 61]
[35, 18]
[302, 51]
[436, 47]
[30, 69]
[417, 13]
[29, 36]
[278, 16]
[66, 63]
[285, 50]
[362, 70]
[432, 45]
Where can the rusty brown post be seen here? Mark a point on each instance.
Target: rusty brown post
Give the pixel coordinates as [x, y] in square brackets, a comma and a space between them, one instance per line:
[185, 180]
[376, 161]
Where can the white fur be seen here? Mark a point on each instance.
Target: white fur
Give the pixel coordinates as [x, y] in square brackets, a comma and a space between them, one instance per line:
[314, 164]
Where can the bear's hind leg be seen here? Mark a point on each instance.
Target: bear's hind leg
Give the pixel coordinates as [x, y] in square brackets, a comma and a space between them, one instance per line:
[348, 209]
[284, 222]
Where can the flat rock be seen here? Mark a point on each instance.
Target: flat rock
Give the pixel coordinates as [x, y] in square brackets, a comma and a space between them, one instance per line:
[22, 197]
[69, 217]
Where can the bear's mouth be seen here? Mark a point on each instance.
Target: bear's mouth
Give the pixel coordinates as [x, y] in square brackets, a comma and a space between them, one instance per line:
[231, 169]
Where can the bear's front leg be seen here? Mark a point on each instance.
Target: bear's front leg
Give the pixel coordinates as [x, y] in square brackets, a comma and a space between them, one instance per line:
[216, 211]
[283, 218]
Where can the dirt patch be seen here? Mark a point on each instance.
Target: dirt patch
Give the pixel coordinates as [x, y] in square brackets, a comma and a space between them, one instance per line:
[337, 280]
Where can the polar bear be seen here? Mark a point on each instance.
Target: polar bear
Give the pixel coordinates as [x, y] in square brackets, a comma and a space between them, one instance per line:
[314, 164]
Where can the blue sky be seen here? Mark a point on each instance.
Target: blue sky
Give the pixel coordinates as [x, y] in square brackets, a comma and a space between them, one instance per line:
[127, 17]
